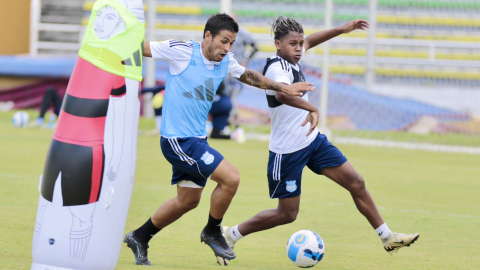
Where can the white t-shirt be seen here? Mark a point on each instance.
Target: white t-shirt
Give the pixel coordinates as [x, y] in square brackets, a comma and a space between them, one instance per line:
[287, 135]
[179, 53]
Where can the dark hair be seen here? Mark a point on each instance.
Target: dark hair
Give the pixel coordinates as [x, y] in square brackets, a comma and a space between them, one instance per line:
[282, 25]
[219, 22]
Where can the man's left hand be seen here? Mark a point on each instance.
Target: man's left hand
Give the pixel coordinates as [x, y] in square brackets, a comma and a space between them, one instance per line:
[354, 25]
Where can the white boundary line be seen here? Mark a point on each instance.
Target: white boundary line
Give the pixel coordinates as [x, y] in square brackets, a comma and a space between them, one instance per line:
[385, 143]
[12, 175]
[418, 211]
[409, 145]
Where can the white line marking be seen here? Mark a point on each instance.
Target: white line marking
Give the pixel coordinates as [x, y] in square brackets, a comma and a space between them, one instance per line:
[419, 211]
[12, 175]
[385, 143]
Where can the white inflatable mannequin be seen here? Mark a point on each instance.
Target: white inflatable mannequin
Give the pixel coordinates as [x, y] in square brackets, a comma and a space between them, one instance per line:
[75, 229]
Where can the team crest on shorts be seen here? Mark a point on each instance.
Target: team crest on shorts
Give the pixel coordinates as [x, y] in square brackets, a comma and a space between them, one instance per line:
[291, 186]
[208, 158]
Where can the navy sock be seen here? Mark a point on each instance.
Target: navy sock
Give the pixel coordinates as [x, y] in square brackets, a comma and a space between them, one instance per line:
[146, 232]
[213, 225]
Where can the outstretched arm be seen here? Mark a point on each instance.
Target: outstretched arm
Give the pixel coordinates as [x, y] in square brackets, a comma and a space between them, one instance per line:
[322, 36]
[147, 52]
[256, 79]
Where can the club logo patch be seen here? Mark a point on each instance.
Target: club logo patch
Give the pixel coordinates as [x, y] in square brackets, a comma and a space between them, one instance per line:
[208, 158]
[291, 185]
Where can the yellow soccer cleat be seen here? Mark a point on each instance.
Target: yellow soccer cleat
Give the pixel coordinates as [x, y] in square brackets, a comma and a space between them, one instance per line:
[395, 241]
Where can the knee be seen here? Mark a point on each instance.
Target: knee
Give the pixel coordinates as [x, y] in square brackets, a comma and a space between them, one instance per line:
[356, 184]
[233, 181]
[190, 204]
[289, 216]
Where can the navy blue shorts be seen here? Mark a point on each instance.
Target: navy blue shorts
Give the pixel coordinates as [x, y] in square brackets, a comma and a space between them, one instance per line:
[192, 159]
[285, 170]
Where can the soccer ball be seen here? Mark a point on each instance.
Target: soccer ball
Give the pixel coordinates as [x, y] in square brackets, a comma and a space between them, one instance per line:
[20, 119]
[305, 248]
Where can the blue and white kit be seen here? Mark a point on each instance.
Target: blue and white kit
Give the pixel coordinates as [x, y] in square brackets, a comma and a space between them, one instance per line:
[290, 147]
[285, 170]
[192, 83]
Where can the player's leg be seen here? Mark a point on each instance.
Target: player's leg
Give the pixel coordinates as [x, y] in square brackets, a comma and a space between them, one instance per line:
[171, 210]
[347, 177]
[57, 102]
[284, 179]
[228, 179]
[285, 213]
[187, 199]
[51, 96]
[190, 185]
[329, 161]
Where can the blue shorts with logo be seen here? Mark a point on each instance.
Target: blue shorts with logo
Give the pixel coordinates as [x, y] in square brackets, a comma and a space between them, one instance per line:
[192, 159]
[285, 170]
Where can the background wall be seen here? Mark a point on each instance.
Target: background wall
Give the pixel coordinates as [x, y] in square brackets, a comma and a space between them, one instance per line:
[14, 26]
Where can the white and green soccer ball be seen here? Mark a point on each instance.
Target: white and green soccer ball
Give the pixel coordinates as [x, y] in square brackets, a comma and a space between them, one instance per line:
[20, 119]
[305, 248]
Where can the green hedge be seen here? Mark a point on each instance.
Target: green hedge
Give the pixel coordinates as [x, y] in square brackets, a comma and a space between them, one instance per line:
[394, 3]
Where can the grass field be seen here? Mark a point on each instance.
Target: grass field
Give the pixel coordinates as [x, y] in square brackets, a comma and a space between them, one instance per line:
[435, 194]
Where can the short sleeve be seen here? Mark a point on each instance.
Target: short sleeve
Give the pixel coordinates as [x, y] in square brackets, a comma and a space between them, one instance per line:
[177, 53]
[234, 68]
[280, 72]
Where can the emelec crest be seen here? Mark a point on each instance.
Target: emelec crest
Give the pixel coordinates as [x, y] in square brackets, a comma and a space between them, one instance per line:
[291, 185]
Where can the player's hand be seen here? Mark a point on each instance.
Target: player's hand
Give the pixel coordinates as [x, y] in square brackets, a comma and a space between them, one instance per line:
[354, 25]
[297, 89]
[312, 117]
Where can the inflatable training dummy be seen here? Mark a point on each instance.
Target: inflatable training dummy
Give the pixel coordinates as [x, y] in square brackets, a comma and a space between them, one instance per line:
[88, 176]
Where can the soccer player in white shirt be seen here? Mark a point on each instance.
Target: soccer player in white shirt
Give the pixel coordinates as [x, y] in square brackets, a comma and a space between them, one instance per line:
[296, 143]
[195, 70]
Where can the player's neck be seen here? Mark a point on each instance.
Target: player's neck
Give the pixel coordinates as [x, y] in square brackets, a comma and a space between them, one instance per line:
[205, 52]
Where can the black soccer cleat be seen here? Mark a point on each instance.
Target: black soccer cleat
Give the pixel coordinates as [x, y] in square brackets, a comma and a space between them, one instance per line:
[218, 244]
[139, 249]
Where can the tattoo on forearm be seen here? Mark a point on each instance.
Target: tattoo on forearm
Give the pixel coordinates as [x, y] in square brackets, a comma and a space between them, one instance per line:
[256, 79]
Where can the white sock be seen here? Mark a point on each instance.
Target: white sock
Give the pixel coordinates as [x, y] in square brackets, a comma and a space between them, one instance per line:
[383, 231]
[235, 234]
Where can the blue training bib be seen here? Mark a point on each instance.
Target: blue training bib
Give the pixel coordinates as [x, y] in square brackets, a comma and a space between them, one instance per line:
[189, 97]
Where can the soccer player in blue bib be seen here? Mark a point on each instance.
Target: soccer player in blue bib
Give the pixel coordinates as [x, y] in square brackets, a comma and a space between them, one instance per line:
[295, 142]
[195, 71]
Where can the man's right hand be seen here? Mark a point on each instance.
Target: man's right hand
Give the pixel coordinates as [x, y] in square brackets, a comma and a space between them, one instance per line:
[312, 117]
[297, 89]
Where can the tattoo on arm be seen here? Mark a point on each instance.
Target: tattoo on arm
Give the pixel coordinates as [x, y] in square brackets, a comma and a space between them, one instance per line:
[256, 79]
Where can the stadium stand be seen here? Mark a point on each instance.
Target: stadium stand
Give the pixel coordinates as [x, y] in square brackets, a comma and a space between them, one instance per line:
[401, 19]
[418, 43]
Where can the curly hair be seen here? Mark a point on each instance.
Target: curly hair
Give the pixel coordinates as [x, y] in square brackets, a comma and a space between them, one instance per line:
[282, 25]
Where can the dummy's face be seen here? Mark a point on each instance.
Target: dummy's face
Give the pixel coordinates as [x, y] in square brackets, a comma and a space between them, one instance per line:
[106, 22]
[291, 46]
[219, 46]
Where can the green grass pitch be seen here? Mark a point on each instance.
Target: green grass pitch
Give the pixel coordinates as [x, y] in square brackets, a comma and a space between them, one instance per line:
[435, 194]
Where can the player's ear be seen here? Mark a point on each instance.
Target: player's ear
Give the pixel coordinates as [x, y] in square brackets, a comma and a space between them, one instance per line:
[208, 35]
[277, 44]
